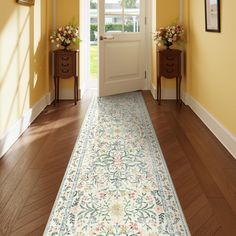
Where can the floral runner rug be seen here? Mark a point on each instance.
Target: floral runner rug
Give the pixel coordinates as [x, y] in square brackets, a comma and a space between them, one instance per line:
[117, 182]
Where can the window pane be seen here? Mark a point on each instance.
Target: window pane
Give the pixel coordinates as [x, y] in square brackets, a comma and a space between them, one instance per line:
[113, 6]
[132, 24]
[113, 23]
[132, 7]
[93, 4]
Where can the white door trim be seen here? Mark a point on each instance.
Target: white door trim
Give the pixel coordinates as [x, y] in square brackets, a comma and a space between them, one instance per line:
[150, 25]
[84, 45]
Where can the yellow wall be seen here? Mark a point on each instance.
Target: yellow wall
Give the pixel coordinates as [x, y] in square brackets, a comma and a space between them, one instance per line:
[23, 68]
[49, 30]
[211, 75]
[64, 14]
[167, 13]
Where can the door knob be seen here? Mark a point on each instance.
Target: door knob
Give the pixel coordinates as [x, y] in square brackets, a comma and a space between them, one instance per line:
[106, 37]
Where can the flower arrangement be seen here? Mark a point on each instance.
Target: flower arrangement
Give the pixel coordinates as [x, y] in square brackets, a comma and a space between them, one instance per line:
[65, 36]
[168, 35]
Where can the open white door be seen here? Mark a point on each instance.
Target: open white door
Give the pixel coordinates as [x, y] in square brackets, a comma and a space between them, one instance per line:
[121, 46]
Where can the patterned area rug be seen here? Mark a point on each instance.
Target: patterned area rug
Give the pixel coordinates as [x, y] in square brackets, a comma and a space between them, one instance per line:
[117, 182]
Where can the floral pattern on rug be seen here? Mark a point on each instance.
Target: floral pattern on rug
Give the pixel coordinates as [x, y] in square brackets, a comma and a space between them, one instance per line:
[117, 183]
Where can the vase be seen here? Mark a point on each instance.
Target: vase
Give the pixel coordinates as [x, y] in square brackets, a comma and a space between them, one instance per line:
[168, 44]
[65, 45]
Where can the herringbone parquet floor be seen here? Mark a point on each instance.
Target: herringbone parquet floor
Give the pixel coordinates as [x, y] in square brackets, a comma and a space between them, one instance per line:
[203, 172]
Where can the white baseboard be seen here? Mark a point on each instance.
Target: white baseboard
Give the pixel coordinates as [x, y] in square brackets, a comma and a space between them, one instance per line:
[68, 94]
[185, 98]
[222, 134]
[50, 97]
[82, 92]
[11, 136]
[166, 93]
[154, 91]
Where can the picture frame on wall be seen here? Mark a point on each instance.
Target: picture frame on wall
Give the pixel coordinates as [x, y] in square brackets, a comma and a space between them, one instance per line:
[212, 15]
[26, 2]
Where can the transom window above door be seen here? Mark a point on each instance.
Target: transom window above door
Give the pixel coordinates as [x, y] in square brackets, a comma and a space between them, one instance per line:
[122, 16]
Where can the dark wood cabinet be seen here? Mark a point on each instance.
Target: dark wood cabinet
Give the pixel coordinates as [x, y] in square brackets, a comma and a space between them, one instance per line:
[169, 66]
[66, 65]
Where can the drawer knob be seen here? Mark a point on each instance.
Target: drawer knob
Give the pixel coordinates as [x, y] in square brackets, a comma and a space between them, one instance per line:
[65, 58]
[65, 70]
[170, 58]
[169, 70]
[65, 64]
[170, 65]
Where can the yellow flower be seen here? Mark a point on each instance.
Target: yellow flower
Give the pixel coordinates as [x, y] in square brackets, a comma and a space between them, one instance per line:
[146, 189]
[80, 234]
[109, 229]
[123, 229]
[117, 209]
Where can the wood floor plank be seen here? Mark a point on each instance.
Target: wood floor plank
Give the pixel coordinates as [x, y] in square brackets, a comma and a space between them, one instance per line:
[225, 215]
[33, 215]
[32, 226]
[217, 173]
[27, 209]
[38, 232]
[200, 218]
[211, 227]
[11, 183]
[13, 207]
[196, 205]
[37, 197]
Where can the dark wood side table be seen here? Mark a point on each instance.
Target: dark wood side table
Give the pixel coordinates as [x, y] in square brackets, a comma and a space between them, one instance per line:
[66, 65]
[169, 66]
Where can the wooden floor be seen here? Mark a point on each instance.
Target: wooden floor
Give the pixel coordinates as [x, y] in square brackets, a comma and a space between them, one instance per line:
[203, 172]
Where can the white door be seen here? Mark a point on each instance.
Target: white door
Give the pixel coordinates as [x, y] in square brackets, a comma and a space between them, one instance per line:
[121, 46]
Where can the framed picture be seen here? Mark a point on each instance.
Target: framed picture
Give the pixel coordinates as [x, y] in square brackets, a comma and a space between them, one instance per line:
[26, 2]
[212, 15]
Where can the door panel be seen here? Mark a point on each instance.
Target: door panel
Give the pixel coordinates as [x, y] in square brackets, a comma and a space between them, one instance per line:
[121, 47]
[120, 66]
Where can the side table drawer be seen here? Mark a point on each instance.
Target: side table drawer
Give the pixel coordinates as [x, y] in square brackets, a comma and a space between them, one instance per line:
[65, 65]
[66, 72]
[170, 69]
[169, 63]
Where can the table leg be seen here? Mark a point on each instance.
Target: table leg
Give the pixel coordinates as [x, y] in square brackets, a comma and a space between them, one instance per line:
[77, 92]
[76, 89]
[159, 89]
[177, 89]
[180, 79]
[55, 87]
[58, 85]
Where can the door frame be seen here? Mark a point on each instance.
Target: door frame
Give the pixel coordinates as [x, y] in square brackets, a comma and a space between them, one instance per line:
[84, 46]
[150, 28]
